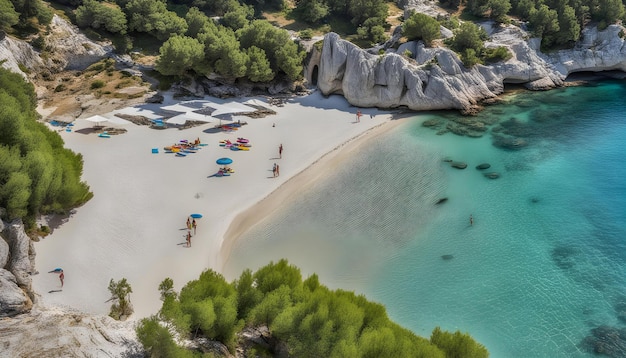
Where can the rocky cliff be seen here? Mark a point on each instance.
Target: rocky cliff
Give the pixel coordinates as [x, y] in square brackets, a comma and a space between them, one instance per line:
[17, 264]
[65, 48]
[435, 78]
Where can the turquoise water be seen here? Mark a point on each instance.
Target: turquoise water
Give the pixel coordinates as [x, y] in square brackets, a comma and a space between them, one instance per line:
[542, 266]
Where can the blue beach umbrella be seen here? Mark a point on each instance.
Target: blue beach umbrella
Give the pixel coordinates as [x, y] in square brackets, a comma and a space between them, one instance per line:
[224, 161]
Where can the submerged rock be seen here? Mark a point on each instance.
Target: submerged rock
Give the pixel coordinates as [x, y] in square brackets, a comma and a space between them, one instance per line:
[492, 175]
[441, 201]
[483, 166]
[606, 340]
[447, 257]
[458, 165]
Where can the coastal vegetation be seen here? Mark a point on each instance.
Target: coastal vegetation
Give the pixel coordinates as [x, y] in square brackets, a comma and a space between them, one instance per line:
[121, 307]
[37, 175]
[557, 22]
[304, 317]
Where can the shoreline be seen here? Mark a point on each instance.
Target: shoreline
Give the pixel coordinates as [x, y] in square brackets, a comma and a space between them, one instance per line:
[134, 228]
[264, 209]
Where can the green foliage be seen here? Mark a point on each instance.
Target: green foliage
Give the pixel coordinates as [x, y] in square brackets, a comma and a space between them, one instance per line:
[238, 17]
[158, 341]
[37, 175]
[121, 307]
[259, 69]
[607, 12]
[97, 84]
[312, 11]
[8, 15]
[496, 54]
[499, 10]
[39, 43]
[166, 287]
[282, 53]
[196, 20]
[449, 22]
[304, 316]
[100, 15]
[306, 34]
[178, 55]
[372, 31]
[421, 27]
[152, 16]
[468, 42]
[458, 344]
[211, 305]
[545, 23]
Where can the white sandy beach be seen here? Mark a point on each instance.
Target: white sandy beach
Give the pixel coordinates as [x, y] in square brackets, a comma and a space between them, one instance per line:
[134, 226]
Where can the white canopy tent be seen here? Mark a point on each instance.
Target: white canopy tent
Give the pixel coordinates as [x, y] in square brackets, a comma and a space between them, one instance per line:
[189, 116]
[99, 120]
[229, 108]
[178, 108]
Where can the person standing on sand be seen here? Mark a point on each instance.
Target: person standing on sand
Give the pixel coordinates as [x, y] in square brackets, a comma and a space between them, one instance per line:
[358, 116]
[188, 238]
[193, 224]
[277, 170]
[274, 170]
[188, 224]
[280, 151]
[61, 277]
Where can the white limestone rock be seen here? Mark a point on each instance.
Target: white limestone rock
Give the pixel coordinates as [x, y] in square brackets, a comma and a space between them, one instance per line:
[390, 80]
[16, 53]
[72, 49]
[21, 258]
[596, 51]
[437, 78]
[61, 332]
[13, 300]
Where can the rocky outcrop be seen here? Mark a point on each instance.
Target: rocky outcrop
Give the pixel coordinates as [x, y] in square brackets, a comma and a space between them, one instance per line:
[435, 78]
[71, 50]
[57, 332]
[596, 51]
[13, 300]
[391, 80]
[17, 259]
[15, 54]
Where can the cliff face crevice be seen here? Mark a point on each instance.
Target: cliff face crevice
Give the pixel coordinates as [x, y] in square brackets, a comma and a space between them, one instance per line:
[435, 78]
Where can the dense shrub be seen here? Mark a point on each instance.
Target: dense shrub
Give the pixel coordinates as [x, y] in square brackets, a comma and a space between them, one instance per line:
[97, 84]
[421, 27]
[308, 318]
[37, 175]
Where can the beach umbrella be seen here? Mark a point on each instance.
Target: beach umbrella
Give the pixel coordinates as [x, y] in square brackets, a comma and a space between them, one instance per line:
[100, 120]
[189, 116]
[226, 110]
[177, 108]
[224, 161]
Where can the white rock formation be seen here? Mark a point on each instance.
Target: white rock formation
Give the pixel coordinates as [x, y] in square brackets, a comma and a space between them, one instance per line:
[596, 51]
[58, 332]
[435, 78]
[72, 50]
[16, 53]
[17, 262]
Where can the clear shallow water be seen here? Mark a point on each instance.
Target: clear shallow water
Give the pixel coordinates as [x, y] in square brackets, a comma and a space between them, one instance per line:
[544, 262]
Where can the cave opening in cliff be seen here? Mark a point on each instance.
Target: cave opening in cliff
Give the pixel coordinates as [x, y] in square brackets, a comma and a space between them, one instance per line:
[314, 76]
